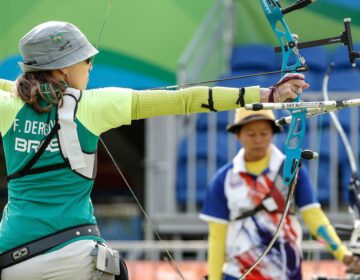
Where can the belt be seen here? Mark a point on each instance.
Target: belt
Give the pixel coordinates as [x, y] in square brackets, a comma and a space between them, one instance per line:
[39, 246]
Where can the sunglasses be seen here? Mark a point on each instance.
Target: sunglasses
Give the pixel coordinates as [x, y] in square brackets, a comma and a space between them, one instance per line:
[89, 60]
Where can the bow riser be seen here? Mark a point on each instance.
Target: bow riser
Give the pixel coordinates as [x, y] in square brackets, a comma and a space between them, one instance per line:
[293, 151]
[293, 143]
[288, 42]
[289, 50]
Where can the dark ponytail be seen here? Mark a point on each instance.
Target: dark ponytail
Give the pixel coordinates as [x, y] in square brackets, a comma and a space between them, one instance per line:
[40, 90]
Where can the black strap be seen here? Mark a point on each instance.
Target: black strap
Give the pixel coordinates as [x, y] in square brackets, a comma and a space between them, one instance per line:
[241, 100]
[42, 245]
[260, 206]
[210, 104]
[250, 213]
[27, 169]
[38, 170]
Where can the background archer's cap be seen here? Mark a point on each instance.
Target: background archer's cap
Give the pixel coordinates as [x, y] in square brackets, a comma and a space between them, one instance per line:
[243, 116]
[54, 45]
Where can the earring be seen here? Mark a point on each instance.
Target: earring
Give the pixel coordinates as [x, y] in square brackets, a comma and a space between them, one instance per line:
[68, 79]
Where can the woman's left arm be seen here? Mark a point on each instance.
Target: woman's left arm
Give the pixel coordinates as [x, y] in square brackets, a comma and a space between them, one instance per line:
[152, 103]
[201, 99]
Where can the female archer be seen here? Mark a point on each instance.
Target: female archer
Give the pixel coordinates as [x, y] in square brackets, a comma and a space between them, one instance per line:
[50, 125]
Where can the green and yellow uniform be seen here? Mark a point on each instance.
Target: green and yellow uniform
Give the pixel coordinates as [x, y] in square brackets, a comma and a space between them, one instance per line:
[44, 203]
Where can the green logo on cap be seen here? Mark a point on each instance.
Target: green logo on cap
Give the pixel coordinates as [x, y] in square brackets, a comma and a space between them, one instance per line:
[57, 38]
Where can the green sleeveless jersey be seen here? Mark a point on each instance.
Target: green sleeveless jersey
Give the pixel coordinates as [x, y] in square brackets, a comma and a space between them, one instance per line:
[44, 203]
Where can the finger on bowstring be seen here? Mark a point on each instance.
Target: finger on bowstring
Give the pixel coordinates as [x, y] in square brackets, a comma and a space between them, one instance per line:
[291, 97]
[306, 86]
[299, 83]
[290, 80]
[297, 90]
[298, 76]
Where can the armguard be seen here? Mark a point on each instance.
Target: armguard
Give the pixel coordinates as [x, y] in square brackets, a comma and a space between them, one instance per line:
[319, 226]
[152, 103]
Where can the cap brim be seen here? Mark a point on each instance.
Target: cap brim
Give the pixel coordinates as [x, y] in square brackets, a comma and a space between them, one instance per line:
[233, 128]
[81, 54]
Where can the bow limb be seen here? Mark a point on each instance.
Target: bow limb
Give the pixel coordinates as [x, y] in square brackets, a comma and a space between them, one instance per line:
[166, 250]
[339, 128]
[354, 184]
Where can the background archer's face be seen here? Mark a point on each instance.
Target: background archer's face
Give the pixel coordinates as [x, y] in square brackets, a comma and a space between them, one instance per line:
[256, 138]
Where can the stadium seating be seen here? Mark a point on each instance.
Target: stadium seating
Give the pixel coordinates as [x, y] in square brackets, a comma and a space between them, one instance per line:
[121, 228]
[344, 79]
[253, 57]
[263, 81]
[316, 58]
[202, 155]
[341, 57]
[222, 120]
[317, 61]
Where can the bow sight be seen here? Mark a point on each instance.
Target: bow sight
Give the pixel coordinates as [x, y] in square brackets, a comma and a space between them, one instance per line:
[345, 38]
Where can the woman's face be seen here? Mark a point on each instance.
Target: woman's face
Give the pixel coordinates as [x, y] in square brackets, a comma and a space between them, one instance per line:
[78, 74]
[256, 138]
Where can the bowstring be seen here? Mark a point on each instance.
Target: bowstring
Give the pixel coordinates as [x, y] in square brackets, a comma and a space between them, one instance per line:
[172, 261]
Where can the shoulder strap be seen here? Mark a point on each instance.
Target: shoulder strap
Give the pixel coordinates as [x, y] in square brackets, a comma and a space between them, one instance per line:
[27, 169]
[262, 205]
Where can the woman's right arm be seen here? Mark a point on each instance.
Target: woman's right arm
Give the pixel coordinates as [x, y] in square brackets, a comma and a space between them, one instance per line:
[10, 105]
[7, 85]
[201, 99]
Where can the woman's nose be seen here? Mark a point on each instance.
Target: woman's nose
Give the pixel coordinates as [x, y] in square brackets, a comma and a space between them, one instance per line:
[258, 138]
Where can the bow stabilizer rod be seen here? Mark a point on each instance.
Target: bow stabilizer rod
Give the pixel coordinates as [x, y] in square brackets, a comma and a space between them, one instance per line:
[318, 105]
[311, 112]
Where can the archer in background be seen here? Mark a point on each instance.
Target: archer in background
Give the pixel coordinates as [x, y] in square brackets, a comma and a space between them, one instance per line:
[245, 202]
[51, 125]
